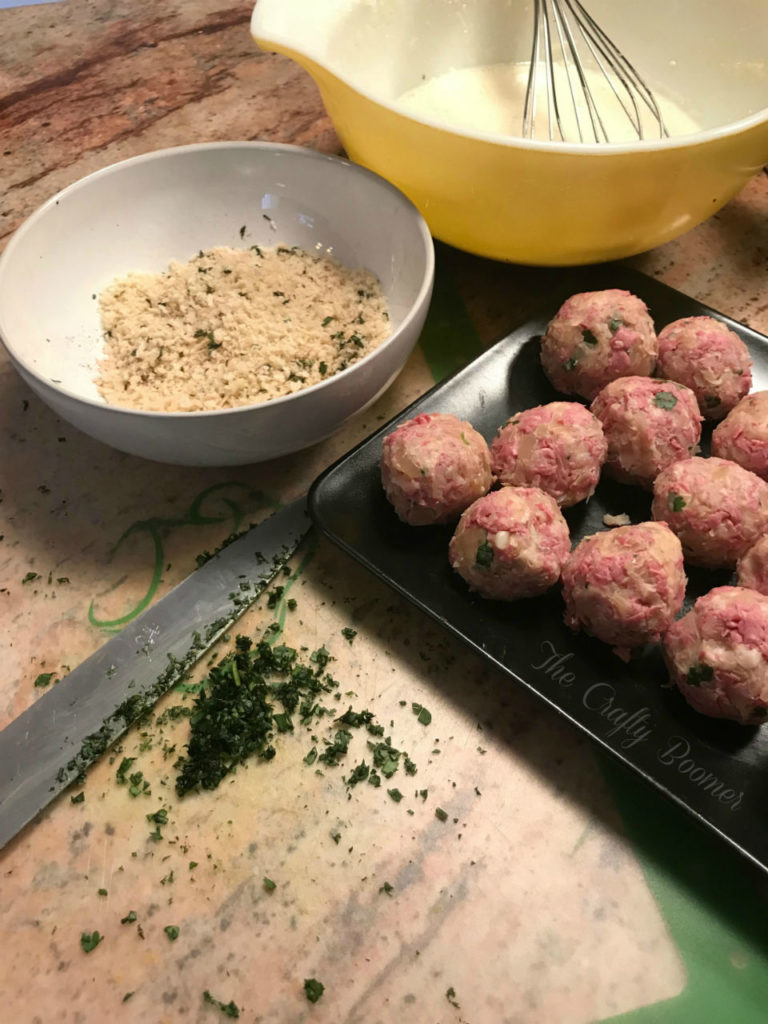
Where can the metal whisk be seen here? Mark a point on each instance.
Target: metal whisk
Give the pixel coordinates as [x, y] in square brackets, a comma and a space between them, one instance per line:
[572, 59]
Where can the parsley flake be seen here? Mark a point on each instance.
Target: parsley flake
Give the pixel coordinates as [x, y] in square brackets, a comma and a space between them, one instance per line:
[440, 814]
[44, 678]
[589, 338]
[700, 673]
[614, 324]
[229, 1009]
[387, 888]
[348, 633]
[423, 716]
[90, 940]
[129, 918]
[78, 799]
[395, 794]
[484, 554]
[665, 400]
[676, 502]
[172, 931]
[269, 885]
[313, 989]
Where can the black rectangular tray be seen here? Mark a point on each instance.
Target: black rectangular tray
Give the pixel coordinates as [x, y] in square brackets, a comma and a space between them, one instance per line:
[716, 770]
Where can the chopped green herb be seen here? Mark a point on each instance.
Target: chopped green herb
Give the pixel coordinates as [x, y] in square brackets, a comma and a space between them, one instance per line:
[358, 774]
[699, 673]
[78, 799]
[676, 502]
[269, 885]
[484, 554]
[313, 989]
[336, 837]
[291, 604]
[90, 940]
[129, 918]
[102, 892]
[327, 320]
[395, 794]
[387, 888]
[450, 995]
[229, 1009]
[589, 338]
[192, 865]
[614, 324]
[44, 678]
[30, 576]
[172, 931]
[159, 817]
[127, 996]
[665, 400]
[348, 633]
[311, 757]
[440, 814]
[242, 231]
[423, 716]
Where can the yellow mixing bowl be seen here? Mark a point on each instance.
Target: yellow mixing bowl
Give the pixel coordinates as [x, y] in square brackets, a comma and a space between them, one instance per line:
[538, 202]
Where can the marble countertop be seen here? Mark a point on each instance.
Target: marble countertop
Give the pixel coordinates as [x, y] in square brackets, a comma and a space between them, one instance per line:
[558, 889]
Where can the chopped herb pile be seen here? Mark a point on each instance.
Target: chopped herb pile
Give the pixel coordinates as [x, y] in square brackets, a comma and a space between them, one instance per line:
[258, 691]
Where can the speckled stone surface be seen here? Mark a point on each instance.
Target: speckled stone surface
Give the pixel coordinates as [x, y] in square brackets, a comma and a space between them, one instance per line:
[527, 905]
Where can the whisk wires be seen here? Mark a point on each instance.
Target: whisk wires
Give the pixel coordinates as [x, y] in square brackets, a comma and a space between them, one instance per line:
[572, 59]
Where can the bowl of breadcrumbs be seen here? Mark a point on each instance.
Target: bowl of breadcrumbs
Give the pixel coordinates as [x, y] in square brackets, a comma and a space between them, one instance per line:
[216, 304]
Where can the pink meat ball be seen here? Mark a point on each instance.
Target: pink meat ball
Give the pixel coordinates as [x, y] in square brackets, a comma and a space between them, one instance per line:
[717, 655]
[648, 424]
[510, 543]
[559, 447]
[752, 568]
[597, 337]
[743, 434]
[710, 359]
[625, 586]
[433, 467]
[715, 507]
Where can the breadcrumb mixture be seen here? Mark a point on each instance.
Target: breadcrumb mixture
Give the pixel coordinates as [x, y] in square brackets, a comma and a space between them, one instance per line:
[233, 327]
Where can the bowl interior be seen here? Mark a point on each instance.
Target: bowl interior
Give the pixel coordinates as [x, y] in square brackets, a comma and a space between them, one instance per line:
[708, 57]
[139, 214]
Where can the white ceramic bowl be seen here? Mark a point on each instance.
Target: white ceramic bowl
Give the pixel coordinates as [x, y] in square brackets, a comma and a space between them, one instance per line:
[141, 213]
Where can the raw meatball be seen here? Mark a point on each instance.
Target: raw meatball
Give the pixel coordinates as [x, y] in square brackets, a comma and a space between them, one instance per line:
[710, 359]
[752, 569]
[715, 507]
[595, 338]
[625, 586]
[511, 543]
[648, 425]
[743, 434]
[433, 467]
[717, 655]
[558, 447]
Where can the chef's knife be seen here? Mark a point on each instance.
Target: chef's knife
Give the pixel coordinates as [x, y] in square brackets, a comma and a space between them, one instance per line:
[67, 729]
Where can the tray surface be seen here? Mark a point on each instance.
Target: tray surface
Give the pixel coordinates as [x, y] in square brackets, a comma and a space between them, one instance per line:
[716, 770]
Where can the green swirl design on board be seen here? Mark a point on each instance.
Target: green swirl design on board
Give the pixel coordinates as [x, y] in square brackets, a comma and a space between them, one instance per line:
[156, 526]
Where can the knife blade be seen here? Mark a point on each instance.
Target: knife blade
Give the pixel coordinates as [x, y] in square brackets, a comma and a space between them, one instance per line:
[66, 730]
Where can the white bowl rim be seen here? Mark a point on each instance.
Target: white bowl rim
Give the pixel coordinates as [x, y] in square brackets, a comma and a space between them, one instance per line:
[299, 151]
[544, 145]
